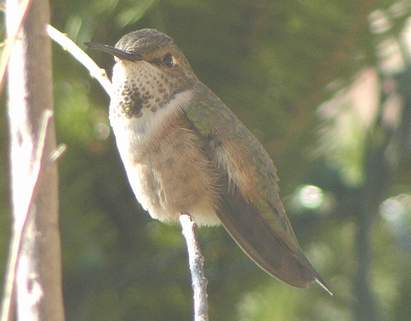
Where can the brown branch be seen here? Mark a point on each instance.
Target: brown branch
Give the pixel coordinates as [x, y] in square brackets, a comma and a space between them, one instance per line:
[95, 71]
[10, 41]
[196, 260]
[38, 288]
[39, 162]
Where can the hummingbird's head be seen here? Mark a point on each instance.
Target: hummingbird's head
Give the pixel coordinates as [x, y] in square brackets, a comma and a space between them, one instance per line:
[149, 71]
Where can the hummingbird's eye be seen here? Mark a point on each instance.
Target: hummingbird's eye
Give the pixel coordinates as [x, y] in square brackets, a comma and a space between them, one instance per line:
[168, 60]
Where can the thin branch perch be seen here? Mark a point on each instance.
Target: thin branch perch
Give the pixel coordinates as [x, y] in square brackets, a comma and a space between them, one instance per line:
[196, 260]
[95, 71]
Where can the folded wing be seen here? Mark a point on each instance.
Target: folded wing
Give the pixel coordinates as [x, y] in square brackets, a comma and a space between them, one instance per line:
[250, 207]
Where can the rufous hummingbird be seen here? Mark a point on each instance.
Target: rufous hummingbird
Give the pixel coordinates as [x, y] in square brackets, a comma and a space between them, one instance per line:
[185, 152]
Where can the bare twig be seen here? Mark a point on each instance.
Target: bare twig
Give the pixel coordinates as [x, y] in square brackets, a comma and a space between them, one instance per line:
[10, 41]
[58, 152]
[196, 260]
[67, 44]
[39, 163]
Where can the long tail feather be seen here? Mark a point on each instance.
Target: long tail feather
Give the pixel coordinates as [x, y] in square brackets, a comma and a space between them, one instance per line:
[257, 239]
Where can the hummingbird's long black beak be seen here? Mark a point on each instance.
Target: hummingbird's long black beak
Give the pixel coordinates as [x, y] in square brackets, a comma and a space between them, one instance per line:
[121, 54]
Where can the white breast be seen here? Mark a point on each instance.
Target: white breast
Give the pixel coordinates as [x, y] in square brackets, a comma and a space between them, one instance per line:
[182, 184]
[133, 133]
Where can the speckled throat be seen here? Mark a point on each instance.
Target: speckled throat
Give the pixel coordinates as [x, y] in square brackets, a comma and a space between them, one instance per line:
[140, 87]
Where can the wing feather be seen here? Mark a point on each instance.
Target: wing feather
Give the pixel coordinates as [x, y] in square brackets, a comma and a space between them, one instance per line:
[250, 207]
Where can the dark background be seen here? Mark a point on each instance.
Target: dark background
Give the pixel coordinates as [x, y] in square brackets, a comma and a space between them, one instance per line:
[325, 85]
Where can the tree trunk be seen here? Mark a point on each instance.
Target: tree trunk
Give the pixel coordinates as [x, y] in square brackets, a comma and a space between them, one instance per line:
[39, 293]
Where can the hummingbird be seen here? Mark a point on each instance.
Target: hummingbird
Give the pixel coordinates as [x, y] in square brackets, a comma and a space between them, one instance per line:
[185, 152]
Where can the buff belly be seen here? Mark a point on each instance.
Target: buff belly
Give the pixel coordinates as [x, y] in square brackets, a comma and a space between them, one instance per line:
[170, 175]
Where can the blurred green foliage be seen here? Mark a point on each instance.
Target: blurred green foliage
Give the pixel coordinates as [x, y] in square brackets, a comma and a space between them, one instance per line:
[274, 63]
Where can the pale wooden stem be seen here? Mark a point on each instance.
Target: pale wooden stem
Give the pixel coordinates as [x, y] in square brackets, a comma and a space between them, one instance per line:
[34, 187]
[11, 40]
[15, 248]
[196, 260]
[67, 44]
